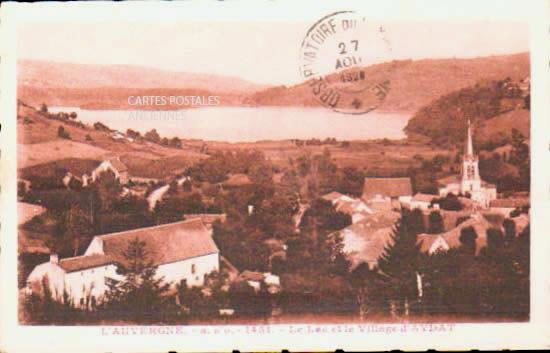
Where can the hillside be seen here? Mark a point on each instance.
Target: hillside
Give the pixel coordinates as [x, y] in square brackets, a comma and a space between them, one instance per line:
[495, 107]
[108, 86]
[47, 74]
[498, 129]
[413, 83]
[39, 143]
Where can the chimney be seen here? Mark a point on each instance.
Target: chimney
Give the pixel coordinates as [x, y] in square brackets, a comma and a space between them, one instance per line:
[54, 258]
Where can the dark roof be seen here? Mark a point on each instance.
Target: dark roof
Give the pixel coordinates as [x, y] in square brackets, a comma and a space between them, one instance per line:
[389, 187]
[164, 244]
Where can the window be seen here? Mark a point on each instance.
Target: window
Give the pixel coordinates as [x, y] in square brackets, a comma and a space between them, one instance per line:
[193, 268]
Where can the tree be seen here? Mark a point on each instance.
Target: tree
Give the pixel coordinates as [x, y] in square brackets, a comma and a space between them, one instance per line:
[323, 216]
[73, 115]
[43, 108]
[436, 223]
[152, 136]
[139, 295]
[78, 228]
[108, 189]
[261, 173]
[176, 142]
[450, 202]
[509, 229]
[168, 210]
[61, 132]
[399, 264]
[367, 284]
[467, 239]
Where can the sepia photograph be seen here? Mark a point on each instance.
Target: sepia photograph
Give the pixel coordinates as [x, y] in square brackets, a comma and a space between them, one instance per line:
[371, 180]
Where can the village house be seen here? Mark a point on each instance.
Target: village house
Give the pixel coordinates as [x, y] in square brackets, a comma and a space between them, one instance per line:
[356, 208]
[386, 193]
[365, 241]
[181, 251]
[420, 201]
[114, 165]
[507, 206]
[87, 171]
[432, 243]
[470, 182]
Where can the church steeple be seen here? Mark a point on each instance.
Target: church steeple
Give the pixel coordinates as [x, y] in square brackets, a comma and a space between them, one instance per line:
[469, 148]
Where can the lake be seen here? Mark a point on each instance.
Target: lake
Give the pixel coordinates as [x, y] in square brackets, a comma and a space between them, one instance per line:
[247, 124]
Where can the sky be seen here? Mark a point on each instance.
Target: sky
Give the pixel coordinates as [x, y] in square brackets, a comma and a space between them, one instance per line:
[266, 53]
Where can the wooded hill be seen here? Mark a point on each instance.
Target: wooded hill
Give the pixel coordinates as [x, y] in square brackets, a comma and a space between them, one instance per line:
[496, 107]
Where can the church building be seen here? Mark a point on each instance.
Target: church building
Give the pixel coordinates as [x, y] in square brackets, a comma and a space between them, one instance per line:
[470, 182]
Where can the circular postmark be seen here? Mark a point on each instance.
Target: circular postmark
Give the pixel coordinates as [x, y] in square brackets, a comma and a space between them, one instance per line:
[342, 60]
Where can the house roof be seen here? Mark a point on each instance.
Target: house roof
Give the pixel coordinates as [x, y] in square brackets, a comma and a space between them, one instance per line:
[164, 244]
[331, 196]
[365, 241]
[79, 263]
[391, 187]
[424, 197]
[353, 207]
[510, 203]
[451, 179]
[452, 237]
[252, 276]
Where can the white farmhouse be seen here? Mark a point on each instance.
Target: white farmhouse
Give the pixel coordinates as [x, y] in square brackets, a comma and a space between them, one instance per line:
[181, 251]
[114, 165]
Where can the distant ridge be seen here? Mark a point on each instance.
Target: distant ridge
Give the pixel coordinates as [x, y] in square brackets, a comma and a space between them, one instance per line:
[44, 74]
[413, 84]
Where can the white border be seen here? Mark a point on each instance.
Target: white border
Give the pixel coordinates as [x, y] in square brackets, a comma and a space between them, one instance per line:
[535, 334]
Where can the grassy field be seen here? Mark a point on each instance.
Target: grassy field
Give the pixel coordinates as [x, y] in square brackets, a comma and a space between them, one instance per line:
[370, 155]
[39, 143]
[40, 153]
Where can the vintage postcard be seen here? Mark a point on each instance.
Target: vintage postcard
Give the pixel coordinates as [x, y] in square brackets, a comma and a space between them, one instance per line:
[267, 175]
